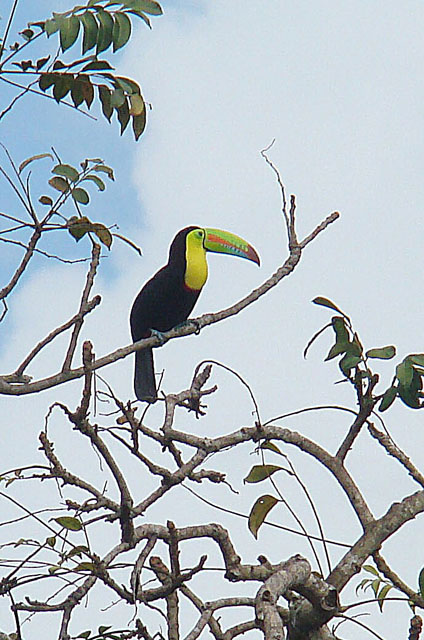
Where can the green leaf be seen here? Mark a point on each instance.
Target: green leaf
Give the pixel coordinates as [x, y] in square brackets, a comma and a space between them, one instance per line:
[405, 372]
[271, 446]
[325, 302]
[69, 29]
[87, 89]
[67, 171]
[137, 107]
[421, 582]
[375, 584]
[59, 184]
[121, 30]
[147, 6]
[26, 162]
[104, 38]
[45, 200]
[410, 394]
[371, 569]
[388, 398]
[77, 551]
[348, 362]
[97, 65]
[129, 86]
[340, 329]
[383, 593]
[76, 92]
[97, 181]
[53, 570]
[337, 349]
[139, 124]
[141, 15]
[354, 348]
[383, 353]
[85, 566]
[103, 234]
[91, 29]
[259, 511]
[51, 541]
[123, 115]
[105, 98]
[84, 634]
[51, 26]
[46, 80]
[62, 86]
[27, 34]
[260, 472]
[24, 64]
[41, 62]
[80, 195]
[117, 98]
[78, 227]
[417, 358]
[103, 168]
[67, 522]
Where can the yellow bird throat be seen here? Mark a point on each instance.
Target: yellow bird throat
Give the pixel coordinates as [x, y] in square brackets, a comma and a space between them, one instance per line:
[196, 271]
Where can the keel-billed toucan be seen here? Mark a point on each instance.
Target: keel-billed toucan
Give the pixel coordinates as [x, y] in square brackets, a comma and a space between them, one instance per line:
[167, 299]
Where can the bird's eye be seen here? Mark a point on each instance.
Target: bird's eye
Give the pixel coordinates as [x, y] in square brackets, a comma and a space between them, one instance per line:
[200, 233]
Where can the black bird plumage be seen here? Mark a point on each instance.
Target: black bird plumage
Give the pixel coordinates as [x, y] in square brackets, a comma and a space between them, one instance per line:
[163, 303]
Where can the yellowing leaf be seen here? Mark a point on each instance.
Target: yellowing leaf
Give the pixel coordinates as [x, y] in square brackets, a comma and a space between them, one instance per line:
[59, 184]
[260, 510]
[383, 353]
[103, 234]
[67, 522]
[26, 162]
[261, 472]
[137, 105]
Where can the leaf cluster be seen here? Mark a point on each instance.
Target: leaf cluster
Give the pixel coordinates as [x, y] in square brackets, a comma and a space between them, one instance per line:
[407, 383]
[103, 25]
[379, 585]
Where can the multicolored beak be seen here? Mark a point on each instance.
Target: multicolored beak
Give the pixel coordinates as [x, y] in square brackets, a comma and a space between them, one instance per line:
[219, 241]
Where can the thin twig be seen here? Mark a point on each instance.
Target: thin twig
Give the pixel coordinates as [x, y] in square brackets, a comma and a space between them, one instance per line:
[7, 29]
[95, 257]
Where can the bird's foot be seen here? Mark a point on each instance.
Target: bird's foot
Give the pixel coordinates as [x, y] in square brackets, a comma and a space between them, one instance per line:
[160, 336]
[197, 325]
[187, 323]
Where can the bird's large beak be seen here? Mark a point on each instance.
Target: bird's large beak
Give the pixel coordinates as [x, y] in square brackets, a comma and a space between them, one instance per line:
[219, 241]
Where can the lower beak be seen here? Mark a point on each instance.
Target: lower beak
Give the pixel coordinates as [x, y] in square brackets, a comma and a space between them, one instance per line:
[219, 241]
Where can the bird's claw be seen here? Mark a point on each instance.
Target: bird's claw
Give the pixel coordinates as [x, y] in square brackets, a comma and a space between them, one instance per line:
[197, 325]
[159, 335]
[187, 323]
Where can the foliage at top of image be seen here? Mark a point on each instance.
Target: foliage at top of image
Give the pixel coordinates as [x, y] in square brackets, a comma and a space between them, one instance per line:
[407, 382]
[104, 27]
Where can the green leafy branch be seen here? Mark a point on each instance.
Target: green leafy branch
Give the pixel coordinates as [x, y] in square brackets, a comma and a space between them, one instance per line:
[407, 383]
[102, 27]
[379, 585]
[70, 185]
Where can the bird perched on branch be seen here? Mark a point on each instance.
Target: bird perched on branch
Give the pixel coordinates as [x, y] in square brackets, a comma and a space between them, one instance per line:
[168, 298]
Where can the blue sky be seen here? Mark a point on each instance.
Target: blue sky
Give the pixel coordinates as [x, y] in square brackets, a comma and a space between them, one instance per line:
[339, 86]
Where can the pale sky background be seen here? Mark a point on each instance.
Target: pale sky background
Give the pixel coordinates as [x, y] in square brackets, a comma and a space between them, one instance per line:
[339, 86]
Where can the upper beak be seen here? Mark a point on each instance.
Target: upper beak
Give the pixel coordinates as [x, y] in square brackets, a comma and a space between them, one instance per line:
[219, 241]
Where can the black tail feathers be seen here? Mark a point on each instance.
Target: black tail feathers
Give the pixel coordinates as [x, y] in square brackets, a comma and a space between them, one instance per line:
[144, 376]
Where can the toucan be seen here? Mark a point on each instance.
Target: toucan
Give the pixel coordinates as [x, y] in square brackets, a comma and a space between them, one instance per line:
[168, 298]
